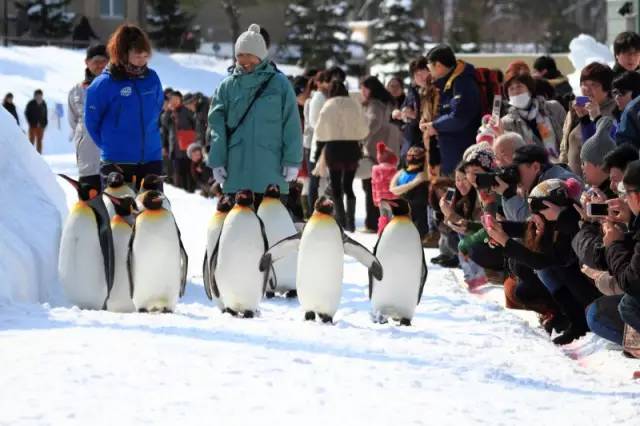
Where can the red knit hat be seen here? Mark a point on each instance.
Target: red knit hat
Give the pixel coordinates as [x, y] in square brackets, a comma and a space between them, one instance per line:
[385, 155]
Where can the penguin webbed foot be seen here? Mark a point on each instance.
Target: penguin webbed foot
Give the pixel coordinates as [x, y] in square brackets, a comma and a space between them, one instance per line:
[248, 314]
[326, 319]
[143, 311]
[378, 318]
[291, 294]
[230, 312]
[269, 295]
[310, 316]
[166, 310]
[406, 322]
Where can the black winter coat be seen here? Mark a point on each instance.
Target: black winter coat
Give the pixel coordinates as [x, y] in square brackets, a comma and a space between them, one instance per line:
[12, 110]
[623, 259]
[36, 114]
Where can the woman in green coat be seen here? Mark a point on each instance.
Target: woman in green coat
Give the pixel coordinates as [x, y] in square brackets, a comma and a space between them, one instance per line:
[264, 146]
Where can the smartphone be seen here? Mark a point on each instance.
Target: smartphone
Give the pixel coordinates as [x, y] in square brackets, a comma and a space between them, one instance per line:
[582, 100]
[597, 209]
[496, 109]
[485, 180]
[451, 192]
[487, 220]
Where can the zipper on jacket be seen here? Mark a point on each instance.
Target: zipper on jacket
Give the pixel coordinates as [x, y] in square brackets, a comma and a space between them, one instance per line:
[142, 130]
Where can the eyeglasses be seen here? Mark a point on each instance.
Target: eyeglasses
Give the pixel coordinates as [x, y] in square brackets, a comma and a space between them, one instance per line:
[624, 192]
[615, 92]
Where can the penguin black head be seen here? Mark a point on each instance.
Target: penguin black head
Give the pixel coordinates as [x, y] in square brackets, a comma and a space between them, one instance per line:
[152, 200]
[125, 206]
[244, 198]
[85, 191]
[115, 180]
[152, 183]
[272, 191]
[399, 207]
[225, 204]
[324, 205]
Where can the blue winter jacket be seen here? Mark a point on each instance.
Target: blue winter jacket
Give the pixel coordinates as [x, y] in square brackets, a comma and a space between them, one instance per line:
[458, 114]
[121, 114]
[629, 128]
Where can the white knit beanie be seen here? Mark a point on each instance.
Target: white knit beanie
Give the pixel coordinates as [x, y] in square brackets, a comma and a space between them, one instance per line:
[252, 42]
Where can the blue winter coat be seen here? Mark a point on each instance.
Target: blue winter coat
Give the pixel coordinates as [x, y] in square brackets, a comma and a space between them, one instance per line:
[121, 114]
[629, 128]
[269, 138]
[458, 114]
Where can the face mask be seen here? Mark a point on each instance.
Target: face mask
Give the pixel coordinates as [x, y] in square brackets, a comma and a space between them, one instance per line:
[520, 101]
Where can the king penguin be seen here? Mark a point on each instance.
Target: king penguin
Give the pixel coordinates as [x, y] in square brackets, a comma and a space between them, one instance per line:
[234, 266]
[152, 182]
[86, 261]
[116, 187]
[157, 259]
[224, 206]
[278, 225]
[121, 230]
[322, 245]
[399, 249]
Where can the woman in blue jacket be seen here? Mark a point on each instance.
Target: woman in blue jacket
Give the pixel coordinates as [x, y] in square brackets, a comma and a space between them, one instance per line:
[122, 108]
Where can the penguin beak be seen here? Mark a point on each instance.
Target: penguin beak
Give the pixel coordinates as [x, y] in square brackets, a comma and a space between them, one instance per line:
[73, 182]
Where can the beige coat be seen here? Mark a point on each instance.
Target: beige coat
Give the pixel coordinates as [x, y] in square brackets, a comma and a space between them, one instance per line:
[341, 119]
[572, 137]
[381, 129]
[513, 122]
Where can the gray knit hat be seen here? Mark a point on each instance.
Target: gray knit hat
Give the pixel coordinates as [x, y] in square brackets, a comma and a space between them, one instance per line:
[252, 42]
[598, 145]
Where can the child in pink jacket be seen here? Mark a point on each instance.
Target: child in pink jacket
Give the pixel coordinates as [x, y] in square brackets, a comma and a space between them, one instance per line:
[381, 177]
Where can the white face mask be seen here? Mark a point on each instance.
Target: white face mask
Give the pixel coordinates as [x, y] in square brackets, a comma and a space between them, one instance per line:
[520, 101]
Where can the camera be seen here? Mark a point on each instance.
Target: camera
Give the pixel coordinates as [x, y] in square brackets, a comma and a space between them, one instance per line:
[508, 175]
[597, 209]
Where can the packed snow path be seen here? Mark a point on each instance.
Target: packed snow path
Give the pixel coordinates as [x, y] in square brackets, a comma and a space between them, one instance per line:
[466, 360]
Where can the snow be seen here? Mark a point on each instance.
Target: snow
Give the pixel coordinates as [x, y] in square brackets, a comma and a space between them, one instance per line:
[465, 360]
[584, 50]
[57, 70]
[33, 206]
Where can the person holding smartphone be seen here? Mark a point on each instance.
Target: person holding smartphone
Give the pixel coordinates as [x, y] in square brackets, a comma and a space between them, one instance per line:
[580, 124]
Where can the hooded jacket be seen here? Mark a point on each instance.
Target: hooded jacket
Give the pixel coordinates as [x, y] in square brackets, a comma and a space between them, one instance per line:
[121, 114]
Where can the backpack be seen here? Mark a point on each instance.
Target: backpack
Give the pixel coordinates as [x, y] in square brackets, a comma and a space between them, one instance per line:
[489, 85]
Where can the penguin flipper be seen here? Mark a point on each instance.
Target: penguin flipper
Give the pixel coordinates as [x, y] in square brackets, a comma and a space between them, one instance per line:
[184, 262]
[205, 276]
[213, 262]
[423, 277]
[363, 255]
[106, 241]
[280, 250]
[375, 252]
[130, 260]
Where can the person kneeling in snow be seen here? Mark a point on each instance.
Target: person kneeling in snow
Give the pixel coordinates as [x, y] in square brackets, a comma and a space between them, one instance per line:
[200, 172]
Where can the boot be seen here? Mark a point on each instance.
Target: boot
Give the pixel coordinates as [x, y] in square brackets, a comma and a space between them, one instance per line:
[340, 214]
[304, 200]
[574, 312]
[350, 226]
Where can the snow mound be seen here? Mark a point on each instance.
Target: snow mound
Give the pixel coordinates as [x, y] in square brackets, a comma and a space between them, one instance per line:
[33, 206]
[584, 50]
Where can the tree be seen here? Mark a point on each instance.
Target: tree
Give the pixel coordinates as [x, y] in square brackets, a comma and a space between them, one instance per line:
[398, 37]
[47, 18]
[168, 22]
[318, 33]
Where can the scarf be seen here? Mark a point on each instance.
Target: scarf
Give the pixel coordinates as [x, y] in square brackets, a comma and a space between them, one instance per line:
[544, 126]
[135, 71]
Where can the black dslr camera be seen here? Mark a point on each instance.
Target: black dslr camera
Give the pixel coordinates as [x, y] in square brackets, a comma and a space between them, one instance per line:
[509, 175]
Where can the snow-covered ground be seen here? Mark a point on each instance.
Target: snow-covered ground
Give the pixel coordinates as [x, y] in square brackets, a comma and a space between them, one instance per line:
[466, 360]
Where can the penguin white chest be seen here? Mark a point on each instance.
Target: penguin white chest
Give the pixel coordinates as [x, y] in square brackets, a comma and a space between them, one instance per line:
[120, 296]
[320, 266]
[237, 271]
[156, 261]
[400, 253]
[81, 262]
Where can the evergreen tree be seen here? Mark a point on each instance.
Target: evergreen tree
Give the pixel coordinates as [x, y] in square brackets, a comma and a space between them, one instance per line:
[318, 32]
[169, 22]
[398, 37]
[47, 18]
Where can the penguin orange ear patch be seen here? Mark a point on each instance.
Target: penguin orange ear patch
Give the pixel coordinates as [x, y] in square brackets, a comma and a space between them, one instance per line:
[93, 193]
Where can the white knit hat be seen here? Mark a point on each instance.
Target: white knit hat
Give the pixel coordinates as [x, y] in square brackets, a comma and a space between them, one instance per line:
[252, 42]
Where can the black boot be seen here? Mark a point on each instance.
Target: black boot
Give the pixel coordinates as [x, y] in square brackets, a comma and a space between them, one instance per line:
[350, 225]
[575, 312]
[340, 214]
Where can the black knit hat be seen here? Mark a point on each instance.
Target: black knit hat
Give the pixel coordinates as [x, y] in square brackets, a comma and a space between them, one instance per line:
[97, 50]
[530, 153]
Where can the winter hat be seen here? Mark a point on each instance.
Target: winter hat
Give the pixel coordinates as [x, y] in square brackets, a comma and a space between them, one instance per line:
[97, 50]
[481, 155]
[516, 68]
[486, 133]
[600, 144]
[530, 153]
[194, 146]
[557, 191]
[385, 155]
[252, 42]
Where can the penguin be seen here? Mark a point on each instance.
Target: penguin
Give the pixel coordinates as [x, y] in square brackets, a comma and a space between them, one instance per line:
[86, 260]
[157, 261]
[116, 187]
[399, 249]
[322, 245]
[278, 225]
[234, 265]
[224, 206]
[152, 182]
[121, 231]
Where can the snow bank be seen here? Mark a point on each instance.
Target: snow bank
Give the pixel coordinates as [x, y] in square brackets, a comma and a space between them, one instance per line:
[56, 70]
[584, 50]
[33, 206]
